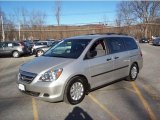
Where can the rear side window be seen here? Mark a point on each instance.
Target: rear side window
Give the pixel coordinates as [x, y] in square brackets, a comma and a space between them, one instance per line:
[115, 44]
[1, 44]
[15, 44]
[10, 45]
[130, 43]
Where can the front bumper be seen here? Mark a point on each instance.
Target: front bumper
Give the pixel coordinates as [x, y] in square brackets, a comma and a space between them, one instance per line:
[51, 92]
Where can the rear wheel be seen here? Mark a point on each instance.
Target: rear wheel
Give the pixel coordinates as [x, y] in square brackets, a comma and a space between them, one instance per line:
[133, 72]
[39, 53]
[75, 90]
[15, 54]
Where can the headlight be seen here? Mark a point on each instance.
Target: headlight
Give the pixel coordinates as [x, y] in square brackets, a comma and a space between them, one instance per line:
[51, 75]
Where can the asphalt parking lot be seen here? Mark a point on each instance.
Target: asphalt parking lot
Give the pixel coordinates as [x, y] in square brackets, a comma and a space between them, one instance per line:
[139, 100]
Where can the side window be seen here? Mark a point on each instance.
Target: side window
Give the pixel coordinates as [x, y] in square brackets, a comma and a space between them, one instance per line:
[15, 44]
[115, 44]
[9, 45]
[5, 45]
[44, 43]
[98, 49]
[130, 43]
[1, 44]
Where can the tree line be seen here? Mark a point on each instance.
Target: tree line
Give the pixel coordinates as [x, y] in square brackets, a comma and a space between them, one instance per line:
[137, 18]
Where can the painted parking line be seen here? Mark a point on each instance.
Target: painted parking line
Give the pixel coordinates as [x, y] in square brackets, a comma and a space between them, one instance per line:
[144, 102]
[133, 91]
[104, 108]
[34, 104]
[35, 111]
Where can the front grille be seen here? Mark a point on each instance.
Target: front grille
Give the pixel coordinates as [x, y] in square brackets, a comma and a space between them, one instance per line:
[27, 76]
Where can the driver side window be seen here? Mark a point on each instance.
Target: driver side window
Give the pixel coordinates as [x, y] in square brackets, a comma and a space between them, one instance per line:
[98, 49]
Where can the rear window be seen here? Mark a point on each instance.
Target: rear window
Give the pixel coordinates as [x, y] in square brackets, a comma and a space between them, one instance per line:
[130, 43]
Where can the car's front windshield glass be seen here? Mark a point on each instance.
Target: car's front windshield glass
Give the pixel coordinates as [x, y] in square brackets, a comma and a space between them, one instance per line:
[69, 48]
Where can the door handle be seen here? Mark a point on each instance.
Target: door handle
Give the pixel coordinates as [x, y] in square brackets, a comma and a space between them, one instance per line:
[116, 57]
[108, 59]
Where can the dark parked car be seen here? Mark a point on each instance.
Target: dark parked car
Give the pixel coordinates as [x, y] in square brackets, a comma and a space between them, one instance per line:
[12, 48]
[156, 42]
[41, 50]
[28, 44]
[144, 40]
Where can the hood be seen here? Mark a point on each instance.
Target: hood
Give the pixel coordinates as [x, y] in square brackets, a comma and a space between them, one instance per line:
[42, 63]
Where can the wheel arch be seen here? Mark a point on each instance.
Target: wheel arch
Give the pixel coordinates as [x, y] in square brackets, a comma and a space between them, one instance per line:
[15, 51]
[135, 62]
[87, 85]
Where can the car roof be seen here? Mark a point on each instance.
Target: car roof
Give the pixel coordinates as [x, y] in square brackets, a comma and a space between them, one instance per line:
[9, 41]
[97, 36]
[42, 41]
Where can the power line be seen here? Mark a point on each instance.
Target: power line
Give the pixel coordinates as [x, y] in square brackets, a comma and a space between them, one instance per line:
[69, 14]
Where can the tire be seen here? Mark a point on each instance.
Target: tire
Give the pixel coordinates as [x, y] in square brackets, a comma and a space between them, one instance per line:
[134, 70]
[75, 91]
[39, 53]
[15, 54]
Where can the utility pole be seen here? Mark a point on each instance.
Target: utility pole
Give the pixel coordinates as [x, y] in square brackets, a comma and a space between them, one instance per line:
[19, 31]
[3, 36]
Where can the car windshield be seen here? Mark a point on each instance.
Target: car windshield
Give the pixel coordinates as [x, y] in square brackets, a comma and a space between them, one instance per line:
[69, 48]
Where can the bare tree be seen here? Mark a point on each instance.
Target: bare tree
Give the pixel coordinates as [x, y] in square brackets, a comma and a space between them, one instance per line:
[140, 12]
[20, 18]
[37, 21]
[146, 11]
[58, 11]
[124, 12]
[8, 27]
[37, 18]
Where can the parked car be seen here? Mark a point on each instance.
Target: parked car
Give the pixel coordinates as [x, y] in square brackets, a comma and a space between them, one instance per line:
[50, 40]
[144, 40]
[12, 48]
[78, 65]
[40, 51]
[39, 44]
[35, 40]
[27, 46]
[156, 42]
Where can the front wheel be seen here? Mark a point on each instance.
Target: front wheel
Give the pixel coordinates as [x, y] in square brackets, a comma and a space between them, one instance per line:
[133, 72]
[75, 91]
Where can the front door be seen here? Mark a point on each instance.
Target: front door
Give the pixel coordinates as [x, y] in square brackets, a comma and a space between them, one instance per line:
[8, 48]
[100, 65]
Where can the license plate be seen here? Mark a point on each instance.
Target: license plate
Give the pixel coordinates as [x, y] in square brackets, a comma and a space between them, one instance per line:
[21, 87]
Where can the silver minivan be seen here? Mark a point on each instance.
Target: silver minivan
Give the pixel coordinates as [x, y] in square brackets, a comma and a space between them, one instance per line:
[77, 65]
